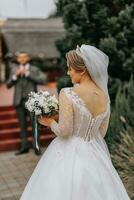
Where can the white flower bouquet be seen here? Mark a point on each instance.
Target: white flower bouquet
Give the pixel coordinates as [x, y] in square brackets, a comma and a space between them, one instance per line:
[42, 103]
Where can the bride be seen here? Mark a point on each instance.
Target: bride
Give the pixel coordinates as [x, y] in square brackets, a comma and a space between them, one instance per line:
[77, 164]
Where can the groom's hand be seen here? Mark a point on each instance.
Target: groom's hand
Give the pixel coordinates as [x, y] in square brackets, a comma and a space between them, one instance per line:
[18, 72]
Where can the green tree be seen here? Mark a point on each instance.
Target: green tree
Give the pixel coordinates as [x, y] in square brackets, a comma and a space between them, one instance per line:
[118, 43]
[120, 136]
[108, 25]
[121, 110]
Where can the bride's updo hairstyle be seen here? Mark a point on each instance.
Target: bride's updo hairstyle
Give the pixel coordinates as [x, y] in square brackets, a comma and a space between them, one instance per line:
[75, 61]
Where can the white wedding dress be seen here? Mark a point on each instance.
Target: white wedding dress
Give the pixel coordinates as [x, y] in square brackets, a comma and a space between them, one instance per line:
[77, 164]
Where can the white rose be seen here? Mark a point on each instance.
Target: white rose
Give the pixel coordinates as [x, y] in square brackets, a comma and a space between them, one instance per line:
[46, 93]
[46, 109]
[38, 112]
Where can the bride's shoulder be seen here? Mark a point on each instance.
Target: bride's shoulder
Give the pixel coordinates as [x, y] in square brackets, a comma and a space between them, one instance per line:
[65, 95]
[66, 90]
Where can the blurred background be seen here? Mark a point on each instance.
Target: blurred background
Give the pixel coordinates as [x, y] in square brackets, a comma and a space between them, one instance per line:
[47, 29]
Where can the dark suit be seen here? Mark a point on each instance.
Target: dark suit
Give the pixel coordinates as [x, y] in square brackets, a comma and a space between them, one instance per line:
[23, 86]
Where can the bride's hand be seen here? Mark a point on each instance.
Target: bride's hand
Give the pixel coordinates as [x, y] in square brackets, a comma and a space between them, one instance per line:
[46, 121]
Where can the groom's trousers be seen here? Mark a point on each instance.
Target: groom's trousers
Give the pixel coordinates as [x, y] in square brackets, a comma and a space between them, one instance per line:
[22, 115]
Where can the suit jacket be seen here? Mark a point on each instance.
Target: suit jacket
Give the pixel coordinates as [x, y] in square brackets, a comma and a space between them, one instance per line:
[24, 85]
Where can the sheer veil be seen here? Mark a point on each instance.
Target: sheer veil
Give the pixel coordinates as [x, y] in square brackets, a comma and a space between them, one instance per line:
[96, 63]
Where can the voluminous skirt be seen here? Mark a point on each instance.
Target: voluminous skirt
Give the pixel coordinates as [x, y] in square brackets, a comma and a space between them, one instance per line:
[72, 169]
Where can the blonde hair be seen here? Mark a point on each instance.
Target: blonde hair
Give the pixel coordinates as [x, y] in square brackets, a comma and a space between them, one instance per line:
[75, 61]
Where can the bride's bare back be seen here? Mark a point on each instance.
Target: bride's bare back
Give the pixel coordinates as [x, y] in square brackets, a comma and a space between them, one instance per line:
[93, 97]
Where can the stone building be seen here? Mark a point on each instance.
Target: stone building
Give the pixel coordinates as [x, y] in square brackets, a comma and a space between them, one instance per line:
[36, 36]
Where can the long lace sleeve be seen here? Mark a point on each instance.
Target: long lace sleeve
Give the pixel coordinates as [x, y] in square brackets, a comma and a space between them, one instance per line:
[104, 125]
[64, 127]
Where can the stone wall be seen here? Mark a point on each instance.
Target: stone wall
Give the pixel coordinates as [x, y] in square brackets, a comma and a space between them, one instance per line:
[36, 36]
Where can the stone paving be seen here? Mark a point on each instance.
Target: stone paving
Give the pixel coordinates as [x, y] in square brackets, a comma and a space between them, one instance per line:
[15, 171]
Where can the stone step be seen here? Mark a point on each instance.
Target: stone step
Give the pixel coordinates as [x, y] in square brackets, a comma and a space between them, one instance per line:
[15, 133]
[11, 123]
[7, 108]
[5, 115]
[13, 144]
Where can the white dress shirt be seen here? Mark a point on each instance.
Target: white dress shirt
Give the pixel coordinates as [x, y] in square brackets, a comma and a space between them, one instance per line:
[27, 72]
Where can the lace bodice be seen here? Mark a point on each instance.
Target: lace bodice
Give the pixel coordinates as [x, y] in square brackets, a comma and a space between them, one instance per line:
[75, 119]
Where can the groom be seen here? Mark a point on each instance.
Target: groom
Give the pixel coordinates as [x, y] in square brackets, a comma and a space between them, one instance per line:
[24, 77]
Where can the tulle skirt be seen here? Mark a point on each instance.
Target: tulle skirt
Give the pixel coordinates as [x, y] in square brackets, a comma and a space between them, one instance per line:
[72, 169]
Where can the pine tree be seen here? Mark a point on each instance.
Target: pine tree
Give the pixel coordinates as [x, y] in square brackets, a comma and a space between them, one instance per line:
[121, 113]
[118, 43]
[120, 136]
[108, 25]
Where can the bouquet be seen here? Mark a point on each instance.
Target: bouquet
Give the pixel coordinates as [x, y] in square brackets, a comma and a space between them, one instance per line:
[40, 104]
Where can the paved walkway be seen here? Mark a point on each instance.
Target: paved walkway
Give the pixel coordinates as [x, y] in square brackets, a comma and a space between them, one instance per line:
[15, 171]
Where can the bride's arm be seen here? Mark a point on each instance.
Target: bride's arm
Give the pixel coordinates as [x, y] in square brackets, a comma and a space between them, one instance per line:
[64, 127]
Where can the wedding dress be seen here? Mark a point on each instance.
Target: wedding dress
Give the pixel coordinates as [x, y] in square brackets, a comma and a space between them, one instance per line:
[77, 164]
